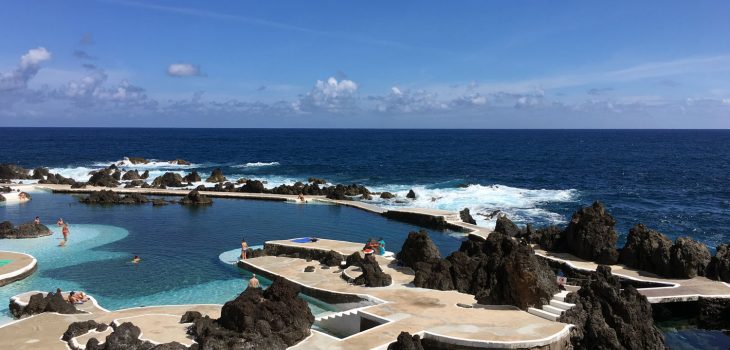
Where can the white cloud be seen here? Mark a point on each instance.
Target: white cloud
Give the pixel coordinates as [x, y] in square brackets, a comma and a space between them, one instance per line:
[183, 70]
[330, 95]
[34, 57]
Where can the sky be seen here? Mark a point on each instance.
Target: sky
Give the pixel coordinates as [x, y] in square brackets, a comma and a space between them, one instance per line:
[365, 64]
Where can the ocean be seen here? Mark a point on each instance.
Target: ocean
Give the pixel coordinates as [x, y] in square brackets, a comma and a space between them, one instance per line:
[675, 181]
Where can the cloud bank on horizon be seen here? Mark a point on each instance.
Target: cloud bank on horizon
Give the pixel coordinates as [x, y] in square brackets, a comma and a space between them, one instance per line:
[268, 67]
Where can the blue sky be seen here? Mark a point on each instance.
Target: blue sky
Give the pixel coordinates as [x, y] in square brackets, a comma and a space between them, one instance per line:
[465, 64]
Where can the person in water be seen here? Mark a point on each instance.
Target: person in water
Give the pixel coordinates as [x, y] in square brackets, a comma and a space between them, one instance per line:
[244, 249]
[64, 231]
[254, 282]
[59, 223]
[136, 259]
[37, 220]
[301, 198]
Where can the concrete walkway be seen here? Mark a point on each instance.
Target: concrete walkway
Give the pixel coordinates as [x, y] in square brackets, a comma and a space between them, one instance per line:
[21, 265]
[449, 316]
[673, 291]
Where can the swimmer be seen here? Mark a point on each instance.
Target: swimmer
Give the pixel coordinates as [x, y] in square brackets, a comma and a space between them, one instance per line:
[64, 231]
[37, 220]
[136, 259]
[254, 282]
[59, 223]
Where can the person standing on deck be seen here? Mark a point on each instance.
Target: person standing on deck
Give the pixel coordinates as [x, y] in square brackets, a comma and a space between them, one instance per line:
[244, 249]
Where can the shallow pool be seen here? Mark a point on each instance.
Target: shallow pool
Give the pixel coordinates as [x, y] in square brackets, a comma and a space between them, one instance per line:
[180, 247]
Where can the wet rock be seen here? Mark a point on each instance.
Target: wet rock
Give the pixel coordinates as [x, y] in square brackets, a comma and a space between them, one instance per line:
[168, 179]
[609, 317]
[5, 189]
[57, 179]
[714, 313]
[112, 197]
[506, 226]
[12, 171]
[466, 216]
[387, 195]
[179, 162]
[145, 175]
[192, 177]
[40, 173]
[345, 192]
[216, 176]
[309, 268]
[38, 303]
[26, 230]
[137, 160]
[131, 175]
[2, 198]
[159, 202]
[406, 342]
[417, 247]
[195, 198]
[253, 186]
[316, 181]
[411, 194]
[102, 178]
[190, 316]
[272, 319]
[117, 175]
[719, 266]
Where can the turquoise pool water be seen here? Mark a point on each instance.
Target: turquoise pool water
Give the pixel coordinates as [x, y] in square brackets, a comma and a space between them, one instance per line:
[183, 249]
[5, 262]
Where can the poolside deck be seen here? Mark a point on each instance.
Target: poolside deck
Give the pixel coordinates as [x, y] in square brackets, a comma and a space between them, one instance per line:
[675, 290]
[20, 266]
[433, 314]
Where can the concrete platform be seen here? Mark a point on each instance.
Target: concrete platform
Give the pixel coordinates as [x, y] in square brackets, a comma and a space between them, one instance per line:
[434, 314]
[674, 290]
[21, 266]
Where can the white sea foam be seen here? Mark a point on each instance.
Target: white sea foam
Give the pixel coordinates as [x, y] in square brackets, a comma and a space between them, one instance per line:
[151, 164]
[522, 205]
[256, 165]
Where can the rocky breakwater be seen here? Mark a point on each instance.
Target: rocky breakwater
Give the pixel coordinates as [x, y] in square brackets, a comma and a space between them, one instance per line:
[111, 197]
[719, 266]
[609, 317]
[26, 230]
[499, 270]
[39, 303]
[216, 176]
[652, 251]
[12, 171]
[108, 177]
[275, 318]
[168, 179]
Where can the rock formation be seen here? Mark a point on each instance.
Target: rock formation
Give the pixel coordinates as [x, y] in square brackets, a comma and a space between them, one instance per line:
[82, 327]
[372, 275]
[12, 171]
[500, 270]
[192, 177]
[411, 194]
[316, 181]
[126, 337]
[689, 258]
[26, 230]
[168, 179]
[57, 179]
[406, 342]
[38, 303]
[272, 319]
[719, 266]
[195, 198]
[137, 160]
[714, 313]
[131, 175]
[466, 217]
[103, 178]
[111, 197]
[506, 226]
[387, 195]
[216, 176]
[609, 317]
[647, 250]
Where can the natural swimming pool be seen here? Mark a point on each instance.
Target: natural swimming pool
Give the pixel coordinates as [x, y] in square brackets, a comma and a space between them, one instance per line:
[179, 246]
[5, 262]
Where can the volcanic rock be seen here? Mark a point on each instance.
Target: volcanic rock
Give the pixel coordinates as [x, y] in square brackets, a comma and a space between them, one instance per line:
[27, 230]
[131, 175]
[272, 319]
[372, 275]
[12, 171]
[253, 186]
[607, 316]
[179, 162]
[145, 175]
[111, 197]
[195, 198]
[316, 181]
[331, 258]
[406, 342]
[689, 258]
[506, 226]
[714, 313]
[387, 195]
[192, 177]
[190, 316]
[417, 247]
[411, 194]
[102, 178]
[719, 266]
[82, 327]
[137, 160]
[216, 176]
[38, 303]
[2, 198]
[40, 173]
[466, 216]
[126, 336]
[57, 179]
[168, 179]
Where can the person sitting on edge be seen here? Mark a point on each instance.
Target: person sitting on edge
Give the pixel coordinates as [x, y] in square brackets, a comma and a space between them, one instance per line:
[37, 220]
[244, 249]
[381, 246]
[136, 259]
[254, 282]
[77, 298]
[59, 223]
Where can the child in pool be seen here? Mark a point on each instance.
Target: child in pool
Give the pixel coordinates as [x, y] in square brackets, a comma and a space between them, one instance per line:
[136, 259]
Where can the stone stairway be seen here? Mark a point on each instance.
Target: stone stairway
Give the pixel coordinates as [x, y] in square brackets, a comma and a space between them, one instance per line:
[554, 309]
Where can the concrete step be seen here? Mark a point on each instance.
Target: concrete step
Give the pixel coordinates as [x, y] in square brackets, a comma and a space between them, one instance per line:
[552, 309]
[543, 314]
[571, 288]
[561, 296]
[560, 304]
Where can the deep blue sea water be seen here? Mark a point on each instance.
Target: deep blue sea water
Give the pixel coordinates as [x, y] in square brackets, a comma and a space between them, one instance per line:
[676, 181]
